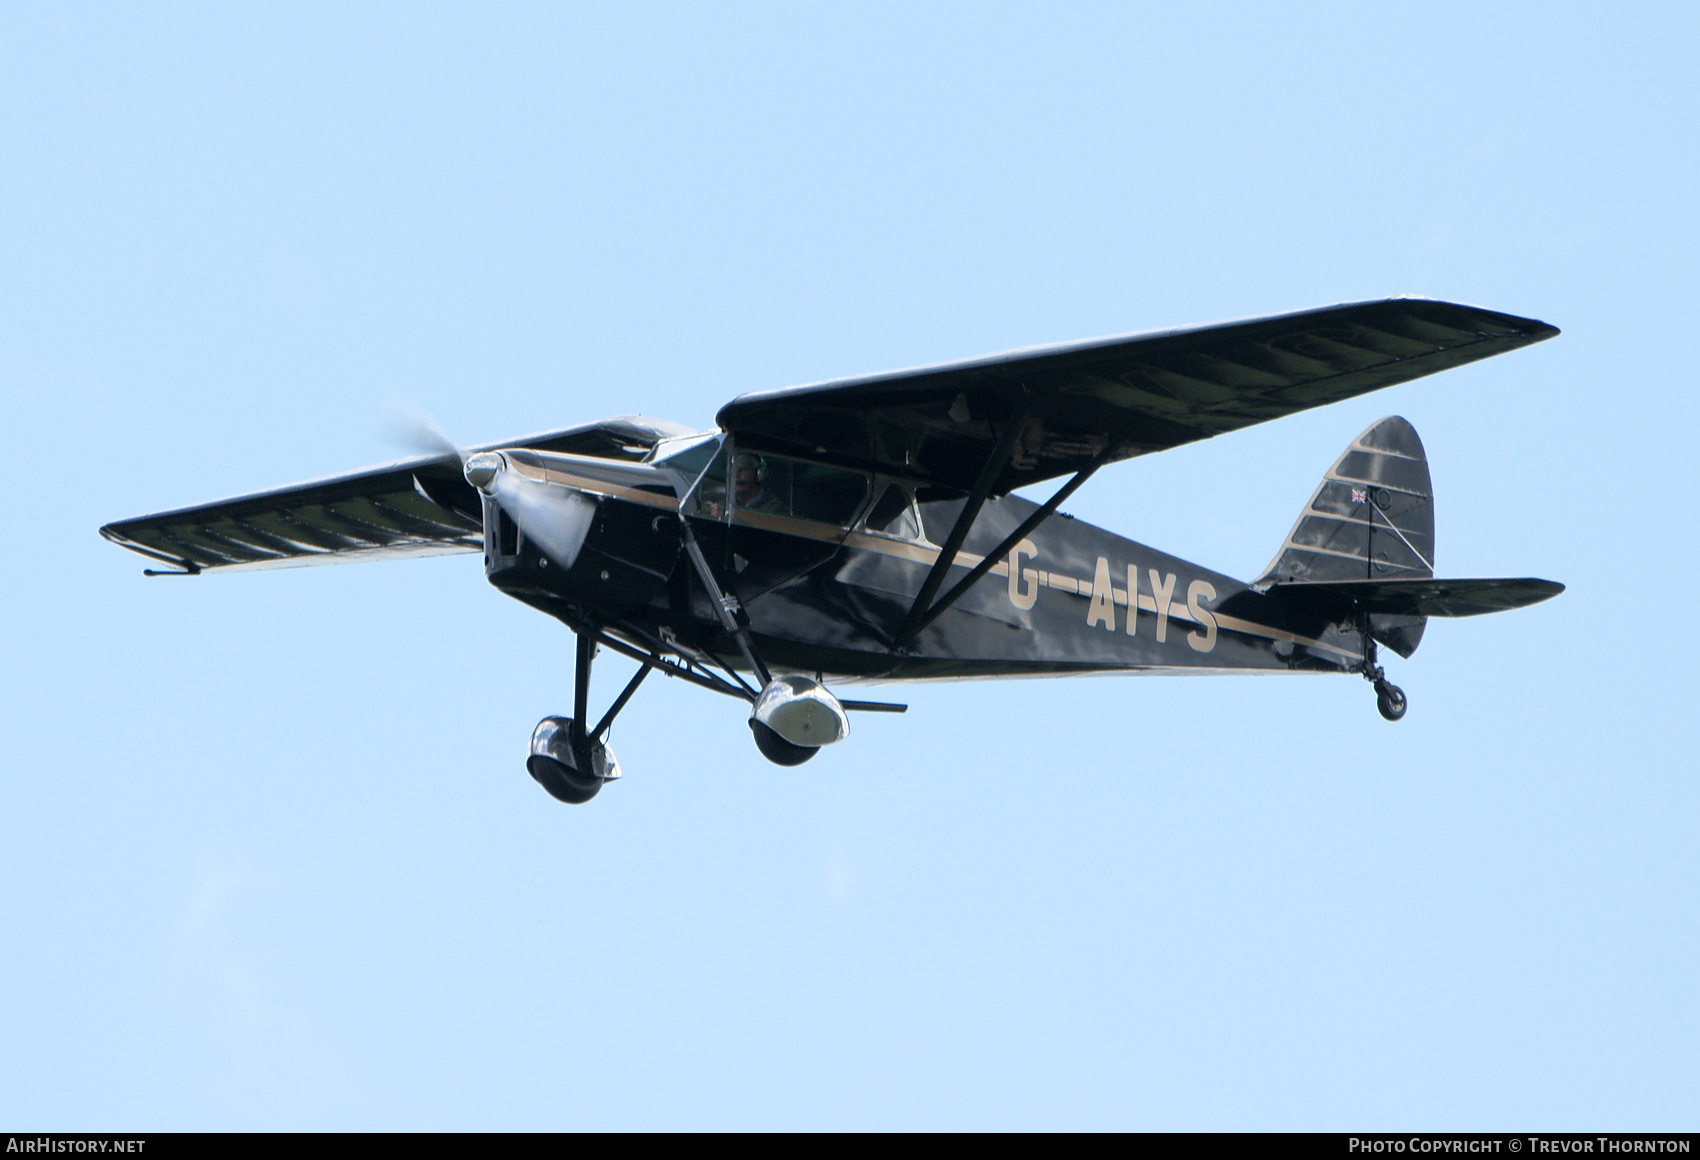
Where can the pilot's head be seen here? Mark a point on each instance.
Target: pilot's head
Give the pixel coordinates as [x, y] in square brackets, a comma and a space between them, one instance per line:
[748, 474]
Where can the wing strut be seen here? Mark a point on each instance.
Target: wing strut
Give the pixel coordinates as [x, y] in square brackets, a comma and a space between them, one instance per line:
[923, 611]
[619, 703]
[733, 618]
[917, 620]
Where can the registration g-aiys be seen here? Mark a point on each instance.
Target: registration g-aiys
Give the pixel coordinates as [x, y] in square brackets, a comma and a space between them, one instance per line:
[865, 530]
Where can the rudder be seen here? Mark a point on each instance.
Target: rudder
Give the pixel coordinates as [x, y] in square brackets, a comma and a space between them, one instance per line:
[1371, 518]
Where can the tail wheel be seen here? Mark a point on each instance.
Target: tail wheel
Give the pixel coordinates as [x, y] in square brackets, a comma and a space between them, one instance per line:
[1390, 700]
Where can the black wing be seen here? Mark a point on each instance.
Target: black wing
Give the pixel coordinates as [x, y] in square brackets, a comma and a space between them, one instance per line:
[1127, 395]
[420, 506]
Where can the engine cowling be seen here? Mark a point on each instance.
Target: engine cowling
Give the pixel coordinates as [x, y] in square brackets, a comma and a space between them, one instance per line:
[541, 532]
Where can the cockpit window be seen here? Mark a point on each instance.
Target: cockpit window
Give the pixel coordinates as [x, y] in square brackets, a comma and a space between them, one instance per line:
[795, 488]
[893, 514]
[830, 495]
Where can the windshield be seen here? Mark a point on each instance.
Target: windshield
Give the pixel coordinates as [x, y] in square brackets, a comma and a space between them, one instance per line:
[688, 456]
[709, 496]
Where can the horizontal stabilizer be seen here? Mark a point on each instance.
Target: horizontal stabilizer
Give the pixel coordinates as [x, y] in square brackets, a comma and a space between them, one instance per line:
[1417, 597]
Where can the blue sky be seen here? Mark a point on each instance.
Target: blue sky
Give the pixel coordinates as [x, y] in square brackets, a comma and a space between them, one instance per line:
[268, 855]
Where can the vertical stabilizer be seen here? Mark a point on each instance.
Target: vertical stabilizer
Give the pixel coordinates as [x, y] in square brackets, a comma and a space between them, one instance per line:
[1372, 518]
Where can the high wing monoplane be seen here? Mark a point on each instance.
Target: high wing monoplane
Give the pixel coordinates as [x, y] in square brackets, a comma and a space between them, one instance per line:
[865, 529]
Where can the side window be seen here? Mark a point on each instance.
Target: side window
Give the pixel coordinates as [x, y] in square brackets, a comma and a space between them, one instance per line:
[829, 495]
[893, 514]
[761, 483]
[791, 487]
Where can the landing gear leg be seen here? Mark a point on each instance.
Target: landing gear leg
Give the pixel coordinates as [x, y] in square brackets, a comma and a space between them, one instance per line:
[1390, 699]
[736, 623]
[566, 759]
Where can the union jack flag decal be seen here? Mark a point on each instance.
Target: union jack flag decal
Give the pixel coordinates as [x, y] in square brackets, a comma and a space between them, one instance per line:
[1360, 495]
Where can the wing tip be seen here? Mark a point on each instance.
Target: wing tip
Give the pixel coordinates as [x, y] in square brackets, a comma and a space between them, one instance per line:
[1532, 329]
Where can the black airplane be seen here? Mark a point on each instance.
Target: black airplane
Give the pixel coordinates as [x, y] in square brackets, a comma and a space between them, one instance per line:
[864, 529]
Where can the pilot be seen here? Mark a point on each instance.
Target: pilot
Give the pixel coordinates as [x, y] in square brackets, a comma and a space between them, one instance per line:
[749, 485]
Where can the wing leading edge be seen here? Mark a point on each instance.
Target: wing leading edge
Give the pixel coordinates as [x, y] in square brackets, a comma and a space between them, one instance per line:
[1106, 399]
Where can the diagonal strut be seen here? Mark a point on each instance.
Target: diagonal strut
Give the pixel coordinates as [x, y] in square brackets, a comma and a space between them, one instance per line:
[990, 560]
[920, 609]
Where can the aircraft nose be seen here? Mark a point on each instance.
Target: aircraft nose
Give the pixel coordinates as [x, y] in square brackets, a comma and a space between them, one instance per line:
[482, 469]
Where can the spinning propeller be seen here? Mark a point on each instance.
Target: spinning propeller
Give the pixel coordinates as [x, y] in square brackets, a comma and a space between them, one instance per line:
[553, 516]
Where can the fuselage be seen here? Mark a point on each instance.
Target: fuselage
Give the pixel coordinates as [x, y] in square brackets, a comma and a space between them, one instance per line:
[827, 561]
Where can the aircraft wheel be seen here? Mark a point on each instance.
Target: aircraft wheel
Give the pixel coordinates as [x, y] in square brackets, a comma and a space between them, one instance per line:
[565, 774]
[563, 784]
[1390, 700]
[776, 749]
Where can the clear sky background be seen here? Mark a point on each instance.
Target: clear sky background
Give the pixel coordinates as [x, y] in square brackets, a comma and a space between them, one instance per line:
[268, 854]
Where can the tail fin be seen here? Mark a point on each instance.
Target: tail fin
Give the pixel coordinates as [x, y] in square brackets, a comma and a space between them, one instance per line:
[1372, 518]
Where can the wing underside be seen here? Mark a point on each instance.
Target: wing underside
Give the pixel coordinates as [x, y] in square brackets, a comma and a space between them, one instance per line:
[415, 507]
[1114, 398]
[383, 512]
